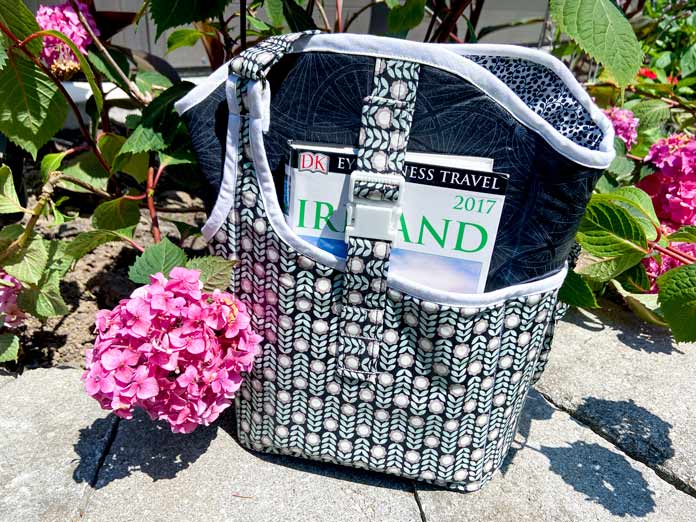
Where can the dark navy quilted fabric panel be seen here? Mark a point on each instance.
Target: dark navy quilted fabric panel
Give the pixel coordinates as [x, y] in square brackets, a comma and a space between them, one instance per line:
[318, 97]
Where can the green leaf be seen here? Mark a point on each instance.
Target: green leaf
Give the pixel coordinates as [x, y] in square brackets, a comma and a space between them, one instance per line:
[43, 298]
[185, 229]
[176, 157]
[84, 66]
[297, 18]
[576, 292]
[107, 70]
[663, 60]
[29, 263]
[85, 167]
[85, 242]
[639, 204]
[215, 271]
[602, 31]
[677, 298]
[152, 82]
[686, 234]
[9, 202]
[609, 230]
[274, 12]
[32, 109]
[613, 237]
[258, 24]
[406, 16]
[645, 306]
[161, 257]
[3, 54]
[20, 20]
[651, 113]
[687, 63]
[134, 165]
[621, 166]
[158, 122]
[182, 38]
[635, 279]
[143, 139]
[171, 13]
[9, 347]
[116, 214]
[51, 163]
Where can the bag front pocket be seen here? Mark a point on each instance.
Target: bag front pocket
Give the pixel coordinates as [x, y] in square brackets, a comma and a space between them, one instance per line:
[450, 384]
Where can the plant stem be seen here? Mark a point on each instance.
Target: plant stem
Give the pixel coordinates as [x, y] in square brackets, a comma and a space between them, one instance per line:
[676, 254]
[339, 16]
[150, 191]
[324, 18]
[86, 186]
[185, 210]
[634, 157]
[78, 115]
[134, 92]
[134, 244]
[359, 12]
[46, 193]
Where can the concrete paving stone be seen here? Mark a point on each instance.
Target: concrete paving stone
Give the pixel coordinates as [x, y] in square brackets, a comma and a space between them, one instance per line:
[154, 475]
[560, 471]
[630, 382]
[51, 437]
[6, 377]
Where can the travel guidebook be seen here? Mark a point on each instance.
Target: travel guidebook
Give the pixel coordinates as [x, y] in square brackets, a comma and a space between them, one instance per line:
[451, 212]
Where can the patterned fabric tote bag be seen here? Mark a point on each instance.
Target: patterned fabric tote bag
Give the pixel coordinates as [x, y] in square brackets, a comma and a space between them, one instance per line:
[361, 366]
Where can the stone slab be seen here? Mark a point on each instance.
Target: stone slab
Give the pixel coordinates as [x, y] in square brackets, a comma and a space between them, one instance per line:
[154, 475]
[560, 471]
[51, 437]
[6, 377]
[631, 383]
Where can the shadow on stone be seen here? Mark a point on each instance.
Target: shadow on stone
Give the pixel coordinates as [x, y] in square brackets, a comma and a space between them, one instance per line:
[536, 409]
[139, 445]
[325, 469]
[603, 476]
[637, 431]
[631, 331]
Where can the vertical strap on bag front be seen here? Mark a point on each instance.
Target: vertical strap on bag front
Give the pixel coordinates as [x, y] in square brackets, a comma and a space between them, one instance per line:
[373, 214]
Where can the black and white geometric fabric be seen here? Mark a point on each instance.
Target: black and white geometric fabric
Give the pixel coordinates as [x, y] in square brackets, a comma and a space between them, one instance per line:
[386, 122]
[445, 384]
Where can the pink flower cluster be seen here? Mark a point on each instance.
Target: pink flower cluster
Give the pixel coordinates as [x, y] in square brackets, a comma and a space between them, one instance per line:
[625, 125]
[655, 269]
[173, 350]
[11, 315]
[64, 19]
[673, 186]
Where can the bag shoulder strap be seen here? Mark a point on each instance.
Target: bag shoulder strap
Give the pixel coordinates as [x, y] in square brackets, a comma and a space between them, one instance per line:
[374, 207]
[253, 63]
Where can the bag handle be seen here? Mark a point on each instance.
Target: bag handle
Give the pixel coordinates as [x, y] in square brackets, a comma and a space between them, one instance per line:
[374, 210]
[253, 63]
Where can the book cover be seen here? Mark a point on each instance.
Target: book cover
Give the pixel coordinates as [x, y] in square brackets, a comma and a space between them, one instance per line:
[451, 208]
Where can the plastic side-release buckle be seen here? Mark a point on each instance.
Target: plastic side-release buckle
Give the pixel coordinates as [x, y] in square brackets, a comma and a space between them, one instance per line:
[373, 218]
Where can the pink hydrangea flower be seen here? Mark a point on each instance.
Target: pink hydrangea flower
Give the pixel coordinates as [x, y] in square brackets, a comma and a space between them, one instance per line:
[625, 125]
[64, 19]
[172, 349]
[655, 269]
[11, 315]
[673, 186]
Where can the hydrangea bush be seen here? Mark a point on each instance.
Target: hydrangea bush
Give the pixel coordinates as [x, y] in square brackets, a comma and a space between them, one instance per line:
[173, 350]
[64, 18]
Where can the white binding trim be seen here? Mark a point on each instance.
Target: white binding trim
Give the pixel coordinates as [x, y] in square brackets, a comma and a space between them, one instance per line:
[264, 176]
[204, 89]
[442, 57]
[449, 57]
